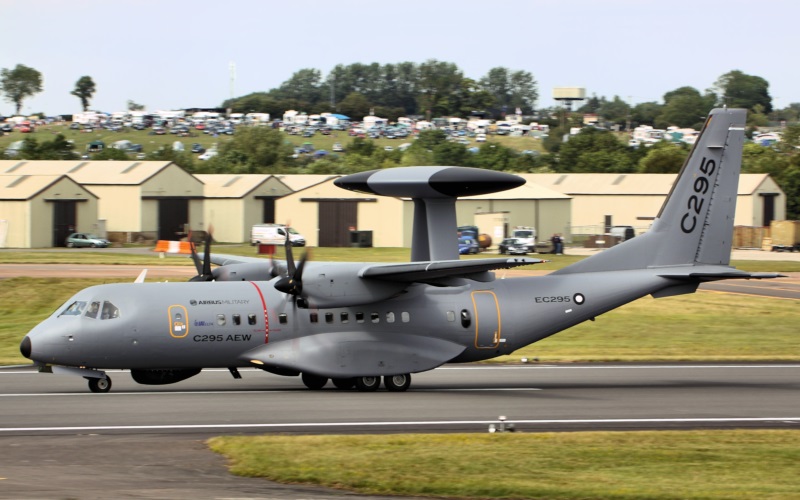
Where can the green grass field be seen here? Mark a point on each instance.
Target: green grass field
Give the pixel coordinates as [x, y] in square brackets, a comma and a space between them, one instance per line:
[572, 465]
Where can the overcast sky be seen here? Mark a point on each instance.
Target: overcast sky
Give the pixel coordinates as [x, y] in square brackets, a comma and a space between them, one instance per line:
[170, 54]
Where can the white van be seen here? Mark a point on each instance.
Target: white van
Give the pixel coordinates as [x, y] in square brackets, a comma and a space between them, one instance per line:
[275, 234]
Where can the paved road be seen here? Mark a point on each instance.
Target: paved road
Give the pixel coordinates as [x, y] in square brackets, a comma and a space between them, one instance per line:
[59, 440]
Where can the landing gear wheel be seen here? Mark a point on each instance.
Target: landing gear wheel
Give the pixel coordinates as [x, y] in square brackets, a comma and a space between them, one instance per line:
[314, 382]
[368, 384]
[397, 383]
[344, 383]
[100, 385]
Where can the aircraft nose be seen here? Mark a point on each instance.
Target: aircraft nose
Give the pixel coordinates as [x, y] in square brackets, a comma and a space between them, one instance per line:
[25, 347]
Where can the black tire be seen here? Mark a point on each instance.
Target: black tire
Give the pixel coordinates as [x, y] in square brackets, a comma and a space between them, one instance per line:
[314, 382]
[344, 384]
[368, 384]
[100, 385]
[397, 383]
[93, 245]
[70, 245]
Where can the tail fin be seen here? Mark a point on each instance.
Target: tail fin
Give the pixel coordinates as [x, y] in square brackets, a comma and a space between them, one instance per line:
[695, 224]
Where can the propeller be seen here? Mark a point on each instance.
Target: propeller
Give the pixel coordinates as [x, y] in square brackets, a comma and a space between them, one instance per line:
[292, 282]
[203, 267]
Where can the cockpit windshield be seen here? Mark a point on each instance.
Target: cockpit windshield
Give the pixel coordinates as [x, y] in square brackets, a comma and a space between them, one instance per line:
[74, 309]
[96, 309]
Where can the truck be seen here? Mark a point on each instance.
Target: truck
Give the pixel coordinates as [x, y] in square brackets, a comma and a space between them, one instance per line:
[526, 235]
[275, 234]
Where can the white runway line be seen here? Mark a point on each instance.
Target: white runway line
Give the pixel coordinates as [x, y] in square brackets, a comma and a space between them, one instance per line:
[316, 425]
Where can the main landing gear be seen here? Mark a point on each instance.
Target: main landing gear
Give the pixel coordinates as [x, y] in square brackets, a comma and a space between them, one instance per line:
[393, 383]
[100, 385]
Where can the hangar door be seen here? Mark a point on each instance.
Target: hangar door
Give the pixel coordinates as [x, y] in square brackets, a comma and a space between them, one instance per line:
[64, 222]
[336, 217]
[173, 215]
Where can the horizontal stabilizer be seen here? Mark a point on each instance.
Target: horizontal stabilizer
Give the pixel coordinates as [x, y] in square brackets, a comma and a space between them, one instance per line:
[715, 273]
[422, 272]
[355, 354]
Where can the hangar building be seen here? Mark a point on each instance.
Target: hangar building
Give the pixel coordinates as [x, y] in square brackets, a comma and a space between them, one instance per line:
[139, 200]
[42, 210]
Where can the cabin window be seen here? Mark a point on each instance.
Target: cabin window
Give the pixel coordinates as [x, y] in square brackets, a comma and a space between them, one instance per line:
[344, 317]
[329, 317]
[466, 319]
[251, 319]
[405, 317]
[390, 317]
[94, 309]
[451, 316]
[282, 319]
[221, 321]
[375, 317]
[359, 317]
[313, 317]
[237, 319]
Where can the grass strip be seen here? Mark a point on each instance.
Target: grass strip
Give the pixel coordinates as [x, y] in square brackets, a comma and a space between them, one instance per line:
[720, 464]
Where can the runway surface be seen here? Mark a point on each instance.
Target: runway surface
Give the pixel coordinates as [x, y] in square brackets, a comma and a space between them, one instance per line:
[451, 398]
[59, 440]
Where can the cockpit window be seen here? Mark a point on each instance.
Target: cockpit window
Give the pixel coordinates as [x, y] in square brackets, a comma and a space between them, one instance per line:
[94, 308]
[110, 311]
[74, 309]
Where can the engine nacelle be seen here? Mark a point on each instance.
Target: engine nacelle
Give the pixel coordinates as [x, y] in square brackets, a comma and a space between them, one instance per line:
[163, 377]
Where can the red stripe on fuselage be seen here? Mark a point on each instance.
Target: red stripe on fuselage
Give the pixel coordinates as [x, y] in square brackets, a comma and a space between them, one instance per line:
[266, 315]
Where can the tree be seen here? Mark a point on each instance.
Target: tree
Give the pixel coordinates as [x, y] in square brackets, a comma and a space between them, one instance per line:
[253, 150]
[686, 107]
[355, 105]
[594, 150]
[615, 111]
[510, 90]
[437, 83]
[19, 83]
[84, 90]
[645, 113]
[304, 85]
[663, 158]
[740, 90]
[133, 106]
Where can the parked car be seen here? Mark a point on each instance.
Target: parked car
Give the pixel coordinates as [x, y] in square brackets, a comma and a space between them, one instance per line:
[207, 155]
[78, 240]
[337, 147]
[468, 246]
[513, 246]
[198, 148]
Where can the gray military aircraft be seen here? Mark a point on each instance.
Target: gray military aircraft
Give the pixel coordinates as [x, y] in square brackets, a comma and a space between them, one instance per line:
[359, 323]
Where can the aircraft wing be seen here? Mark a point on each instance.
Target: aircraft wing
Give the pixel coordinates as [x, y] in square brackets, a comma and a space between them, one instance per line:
[425, 272]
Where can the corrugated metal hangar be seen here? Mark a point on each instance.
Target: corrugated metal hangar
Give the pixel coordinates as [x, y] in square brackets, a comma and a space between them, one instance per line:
[43, 201]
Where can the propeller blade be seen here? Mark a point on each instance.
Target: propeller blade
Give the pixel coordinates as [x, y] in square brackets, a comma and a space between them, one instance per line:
[290, 269]
[207, 255]
[196, 259]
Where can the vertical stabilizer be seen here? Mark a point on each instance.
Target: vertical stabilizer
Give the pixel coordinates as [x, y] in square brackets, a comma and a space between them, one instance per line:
[695, 225]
